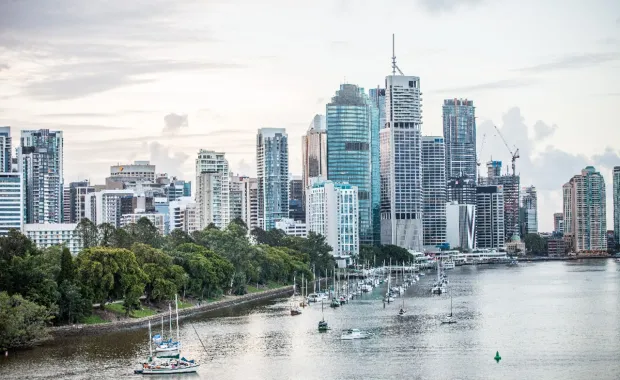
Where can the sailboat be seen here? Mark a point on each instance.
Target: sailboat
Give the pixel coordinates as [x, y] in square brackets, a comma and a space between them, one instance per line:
[169, 347]
[449, 318]
[388, 295]
[322, 323]
[402, 311]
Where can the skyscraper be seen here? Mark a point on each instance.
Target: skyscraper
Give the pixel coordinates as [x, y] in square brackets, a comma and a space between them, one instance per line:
[529, 211]
[212, 188]
[40, 157]
[489, 217]
[350, 118]
[244, 201]
[6, 149]
[377, 97]
[434, 186]
[616, 201]
[587, 204]
[295, 200]
[459, 132]
[401, 163]
[511, 191]
[12, 195]
[314, 151]
[272, 175]
[77, 200]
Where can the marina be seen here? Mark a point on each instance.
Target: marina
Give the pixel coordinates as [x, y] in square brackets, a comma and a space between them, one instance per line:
[498, 309]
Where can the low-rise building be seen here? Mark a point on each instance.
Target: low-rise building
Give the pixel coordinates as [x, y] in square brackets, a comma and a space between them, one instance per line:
[45, 235]
[158, 220]
[292, 227]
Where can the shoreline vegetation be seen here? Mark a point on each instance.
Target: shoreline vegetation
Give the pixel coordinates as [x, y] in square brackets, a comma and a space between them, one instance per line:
[130, 274]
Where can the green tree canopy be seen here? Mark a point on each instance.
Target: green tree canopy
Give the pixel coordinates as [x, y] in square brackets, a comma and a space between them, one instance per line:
[22, 322]
[535, 244]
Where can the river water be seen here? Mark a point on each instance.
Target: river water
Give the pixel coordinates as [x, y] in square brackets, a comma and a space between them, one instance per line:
[551, 320]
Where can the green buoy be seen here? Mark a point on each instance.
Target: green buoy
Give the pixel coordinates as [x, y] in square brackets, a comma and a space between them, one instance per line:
[497, 357]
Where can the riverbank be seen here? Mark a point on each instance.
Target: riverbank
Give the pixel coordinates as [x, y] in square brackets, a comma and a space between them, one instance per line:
[226, 302]
[564, 258]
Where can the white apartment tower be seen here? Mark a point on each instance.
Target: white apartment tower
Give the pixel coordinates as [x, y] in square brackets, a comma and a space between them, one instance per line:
[212, 188]
[490, 217]
[401, 162]
[183, 215]
[272, 176]
[244, 200]
[40, 160]
[434, 185]
[332, 211]
[12, 198]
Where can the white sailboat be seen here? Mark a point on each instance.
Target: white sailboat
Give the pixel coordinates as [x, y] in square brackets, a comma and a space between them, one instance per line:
[449, 318]
[402, 311]
[170, 347]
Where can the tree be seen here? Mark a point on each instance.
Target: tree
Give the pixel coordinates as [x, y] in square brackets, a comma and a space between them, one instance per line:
[109, 273]
[73, 305]
[67, 267]
[15, 244]
[164, 279]
[177, 237]
[106, 234]
[22, 323]
[145, 232]
[535, 244]
[121, 239]
[87, 233]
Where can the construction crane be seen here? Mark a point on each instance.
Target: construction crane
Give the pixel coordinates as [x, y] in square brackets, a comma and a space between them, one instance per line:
[484, 137]
[514, 154]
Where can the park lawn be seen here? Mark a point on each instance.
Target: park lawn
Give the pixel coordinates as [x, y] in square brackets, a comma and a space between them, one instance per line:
[185, 305]
[118, 308]
[93, 320]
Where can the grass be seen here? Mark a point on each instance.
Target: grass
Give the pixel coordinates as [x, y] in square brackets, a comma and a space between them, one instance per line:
[185, 305]
[93, 320]
[270, 285]
[118, 308]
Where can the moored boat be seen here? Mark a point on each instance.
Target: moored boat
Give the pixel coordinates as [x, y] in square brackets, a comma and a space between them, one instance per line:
[352, 334]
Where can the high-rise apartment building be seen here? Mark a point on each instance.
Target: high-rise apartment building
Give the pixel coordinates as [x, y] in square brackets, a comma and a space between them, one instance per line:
[616, 202]
[12, 197]
[490, 217]
[244, 200]
[272, 176]
[351, 121]
[461, 190]
[529, 211]
[40, 157]
[314, 152]
[107, 206]
[183, 215]
[76, 201]
[6, 150]
[511, 191]
[558, 223]
[584, 195]
[459, 132]
[332, 211]
[434, 188]
[212, 188]
[401, 163]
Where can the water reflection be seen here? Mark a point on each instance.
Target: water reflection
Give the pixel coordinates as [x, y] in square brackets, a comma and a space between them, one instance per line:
[554, 320]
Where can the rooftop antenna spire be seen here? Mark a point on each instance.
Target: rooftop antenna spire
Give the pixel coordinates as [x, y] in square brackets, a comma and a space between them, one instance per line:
[394, 67]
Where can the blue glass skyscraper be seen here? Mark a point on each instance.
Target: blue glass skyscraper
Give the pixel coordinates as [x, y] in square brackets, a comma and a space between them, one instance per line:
[352, 148]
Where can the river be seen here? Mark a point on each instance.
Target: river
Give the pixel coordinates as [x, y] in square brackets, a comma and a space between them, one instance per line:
[549, 320]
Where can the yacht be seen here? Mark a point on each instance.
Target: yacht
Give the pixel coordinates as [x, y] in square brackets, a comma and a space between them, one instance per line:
[352, 334]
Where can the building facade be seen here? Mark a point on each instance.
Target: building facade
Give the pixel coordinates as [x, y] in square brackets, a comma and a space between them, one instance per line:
[138, 171]
[107, 206]
[434, 190]
[213, 188]
[51, 234]
[350, 117]
[461, 226]
[616, 202]
[296, 202]
[314, 152]
[584, 197]
[529, 211]
[77, 200]
[12, 201]
[490, 217]
[40, 157]
[401, 164]
[292, 227]
[158, 220]
[183, 215]
[558, 223]
[332, 211]
[272, 176]
[459, 132]
[244, 200]
[6, 150]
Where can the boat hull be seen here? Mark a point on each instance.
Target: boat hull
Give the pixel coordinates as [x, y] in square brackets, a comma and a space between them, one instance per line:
[169, 371]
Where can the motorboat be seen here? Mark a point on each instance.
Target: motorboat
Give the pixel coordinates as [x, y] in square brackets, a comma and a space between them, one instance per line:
[353, 334]
[402, 312]
[438, 289]
[167, 366]
[323, 326]
[513, 263]
[335, 302]
[314, 297]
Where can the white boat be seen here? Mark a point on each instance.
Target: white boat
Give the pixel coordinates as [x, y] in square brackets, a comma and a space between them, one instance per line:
[313, 297]
[449, 264]
[449, 318]
[352, 334]
[168, 367]
[168, 346]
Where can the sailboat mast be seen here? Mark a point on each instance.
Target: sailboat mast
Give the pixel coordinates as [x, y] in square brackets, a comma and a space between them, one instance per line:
[162, 327]
[150, 340]
[176, 311]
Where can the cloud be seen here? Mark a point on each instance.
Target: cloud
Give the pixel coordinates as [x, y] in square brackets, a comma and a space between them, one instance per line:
[4, 66]
[72, 115]
[165, 160]
[444, 6]
[173, 123]
[576, 61]
[543, 130]
[609, 158]
[496, 85]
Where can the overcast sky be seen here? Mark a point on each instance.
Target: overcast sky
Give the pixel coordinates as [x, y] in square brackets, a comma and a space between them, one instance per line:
[159, 80]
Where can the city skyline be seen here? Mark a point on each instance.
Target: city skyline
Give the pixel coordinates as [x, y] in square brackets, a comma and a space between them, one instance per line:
[103, 93]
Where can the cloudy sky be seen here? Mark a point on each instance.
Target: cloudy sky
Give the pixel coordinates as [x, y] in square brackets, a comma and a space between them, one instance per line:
[158, 80]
